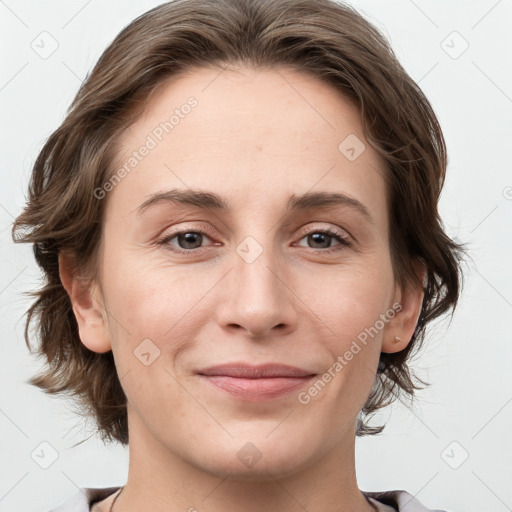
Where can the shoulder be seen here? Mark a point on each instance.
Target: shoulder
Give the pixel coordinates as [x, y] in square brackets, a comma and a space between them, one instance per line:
[396, 500]
[82, 500]
[385, 501]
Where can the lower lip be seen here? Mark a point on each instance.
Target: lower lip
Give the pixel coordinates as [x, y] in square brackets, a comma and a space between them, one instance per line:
[255, 390]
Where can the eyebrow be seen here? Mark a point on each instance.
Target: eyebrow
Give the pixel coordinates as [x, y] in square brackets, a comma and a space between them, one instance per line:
[209, 200]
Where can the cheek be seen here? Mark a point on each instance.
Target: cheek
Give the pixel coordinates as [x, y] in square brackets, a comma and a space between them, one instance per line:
[154, 323]
[347, 300]
[150, 298]
[348, 308]
[163, 304]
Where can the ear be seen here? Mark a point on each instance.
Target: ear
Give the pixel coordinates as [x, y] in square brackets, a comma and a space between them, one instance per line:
[87, 301]
[403, 324]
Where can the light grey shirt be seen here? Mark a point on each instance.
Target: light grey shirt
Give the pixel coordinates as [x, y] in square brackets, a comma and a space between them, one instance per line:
[384, 501]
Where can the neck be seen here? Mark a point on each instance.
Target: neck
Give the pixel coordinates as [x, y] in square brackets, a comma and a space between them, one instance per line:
[170, 483]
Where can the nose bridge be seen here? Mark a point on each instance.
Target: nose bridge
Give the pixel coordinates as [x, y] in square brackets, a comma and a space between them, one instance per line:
[254, 268]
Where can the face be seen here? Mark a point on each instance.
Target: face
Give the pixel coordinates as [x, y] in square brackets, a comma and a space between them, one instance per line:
[252, 271]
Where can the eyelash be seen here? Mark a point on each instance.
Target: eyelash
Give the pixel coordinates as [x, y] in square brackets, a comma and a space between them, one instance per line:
[337, 235]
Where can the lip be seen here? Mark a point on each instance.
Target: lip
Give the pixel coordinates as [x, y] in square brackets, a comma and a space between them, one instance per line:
[255, 383]
[249, 371]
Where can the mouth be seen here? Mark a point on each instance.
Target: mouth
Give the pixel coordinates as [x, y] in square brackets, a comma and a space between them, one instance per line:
[256, 383]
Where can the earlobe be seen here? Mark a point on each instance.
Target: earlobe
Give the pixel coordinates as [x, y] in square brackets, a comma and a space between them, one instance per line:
[87, 306]
[400, 329]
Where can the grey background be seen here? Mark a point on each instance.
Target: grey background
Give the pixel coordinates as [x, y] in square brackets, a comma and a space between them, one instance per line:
[467, 411]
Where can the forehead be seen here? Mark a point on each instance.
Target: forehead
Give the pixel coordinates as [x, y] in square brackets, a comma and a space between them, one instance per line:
[253, 134]
[244, 102]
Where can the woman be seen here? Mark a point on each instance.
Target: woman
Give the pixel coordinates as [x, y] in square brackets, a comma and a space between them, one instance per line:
[238, 224]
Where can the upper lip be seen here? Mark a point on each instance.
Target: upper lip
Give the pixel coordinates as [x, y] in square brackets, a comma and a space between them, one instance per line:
[248, 371]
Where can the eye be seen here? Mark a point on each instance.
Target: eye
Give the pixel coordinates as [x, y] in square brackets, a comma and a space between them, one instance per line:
[186, 240]
[322, 238]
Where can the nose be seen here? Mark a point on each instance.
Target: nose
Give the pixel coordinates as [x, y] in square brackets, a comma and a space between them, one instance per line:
[257, 298]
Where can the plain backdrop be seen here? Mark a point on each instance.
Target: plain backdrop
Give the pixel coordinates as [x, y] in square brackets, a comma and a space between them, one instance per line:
[453, 450]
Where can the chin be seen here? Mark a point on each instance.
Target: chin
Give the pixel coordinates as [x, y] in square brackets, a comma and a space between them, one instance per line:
[248, 461]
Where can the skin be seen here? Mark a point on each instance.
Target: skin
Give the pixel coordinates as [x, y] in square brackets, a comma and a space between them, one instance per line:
[255, 138]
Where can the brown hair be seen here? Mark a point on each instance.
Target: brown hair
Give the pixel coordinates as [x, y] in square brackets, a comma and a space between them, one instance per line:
[331, 41]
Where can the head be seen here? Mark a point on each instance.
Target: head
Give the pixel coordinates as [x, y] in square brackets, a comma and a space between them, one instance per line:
[271, 122]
